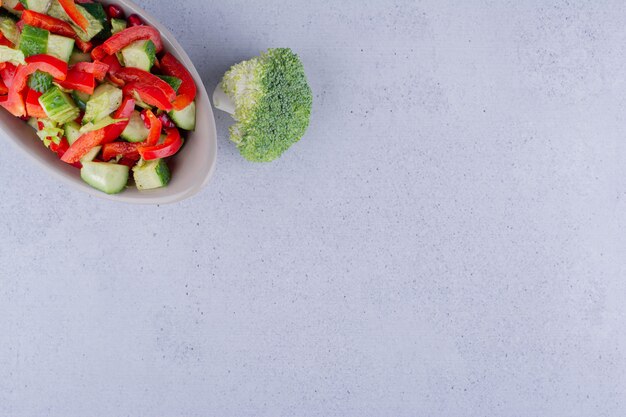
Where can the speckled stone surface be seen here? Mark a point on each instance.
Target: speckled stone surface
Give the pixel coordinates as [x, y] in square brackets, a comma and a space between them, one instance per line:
[447, 240]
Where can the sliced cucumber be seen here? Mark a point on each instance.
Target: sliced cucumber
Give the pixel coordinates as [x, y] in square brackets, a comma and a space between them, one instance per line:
[34, 41]
[117, 25]
[140, 54]
[104, 101]
[105, 177]
[59, 106]
[174, 82]
[151, 174]
[136, 130]
[80, 99]
[185, 118]
[60, 47]
[40, 81]
[39, 6]
[9, 29]
[72, 132]
[97, 11]
[78, 56]
[91, 155]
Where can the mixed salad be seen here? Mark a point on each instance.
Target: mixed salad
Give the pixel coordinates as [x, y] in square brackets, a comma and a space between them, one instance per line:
[98, 88]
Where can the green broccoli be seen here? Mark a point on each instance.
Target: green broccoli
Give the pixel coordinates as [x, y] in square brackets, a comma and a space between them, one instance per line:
[270, 99]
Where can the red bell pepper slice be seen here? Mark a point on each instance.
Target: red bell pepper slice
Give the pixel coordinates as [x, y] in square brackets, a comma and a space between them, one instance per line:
[124, 38]
[127, 150]
[19, 7]
[80, 81]
[187, 90]
[126, 109]
[33, 108]
[149, 94]
[61, 148]
[72, 11]
[173, 143]
[83, 145]
[98, 69]
[135, 75]
[155, 127]
[114, 66]
[4, 41]
[14, 103]
[47, 63]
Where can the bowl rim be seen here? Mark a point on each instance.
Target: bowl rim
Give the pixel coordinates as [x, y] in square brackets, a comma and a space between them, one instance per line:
[145, 199]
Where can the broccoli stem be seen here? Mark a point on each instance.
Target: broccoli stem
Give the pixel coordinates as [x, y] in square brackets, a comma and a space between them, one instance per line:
[222, 101]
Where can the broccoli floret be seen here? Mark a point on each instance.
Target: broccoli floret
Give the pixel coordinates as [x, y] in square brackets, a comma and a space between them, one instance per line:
[270, 99]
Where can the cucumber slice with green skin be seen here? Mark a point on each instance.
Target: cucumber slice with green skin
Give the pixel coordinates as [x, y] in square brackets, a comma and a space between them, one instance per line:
[174, 82]
[140, 54]
[151, 174]
[185, 118]
[34, 41]
[97, 11]
[104, 101]
[91, 155]
[39, 6]
[118, 25]
[95, 26]
[72, 132]
[9, 29]
[81, 99]
[105, 177]
[60, 47]
[136, 130]
[59, 106]
[78, 56]
[40, 81]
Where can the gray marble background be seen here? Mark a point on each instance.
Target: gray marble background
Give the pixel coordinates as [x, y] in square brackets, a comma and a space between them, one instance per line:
[447, 240]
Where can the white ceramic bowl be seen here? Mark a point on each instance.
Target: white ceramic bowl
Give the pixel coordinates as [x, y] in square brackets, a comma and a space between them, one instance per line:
[191, 168]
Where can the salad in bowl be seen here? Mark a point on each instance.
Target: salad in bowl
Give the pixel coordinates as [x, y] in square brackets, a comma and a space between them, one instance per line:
[99, 88]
